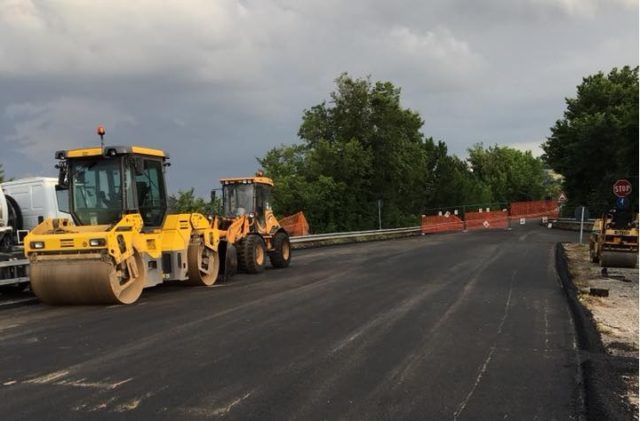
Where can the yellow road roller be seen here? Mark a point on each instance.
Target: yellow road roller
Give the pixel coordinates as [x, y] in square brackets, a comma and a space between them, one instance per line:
[614, 240]
[119, 237]
[249, 231]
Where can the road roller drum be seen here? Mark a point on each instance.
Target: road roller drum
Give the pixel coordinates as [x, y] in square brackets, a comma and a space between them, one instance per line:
[618, 259]
[88, 280]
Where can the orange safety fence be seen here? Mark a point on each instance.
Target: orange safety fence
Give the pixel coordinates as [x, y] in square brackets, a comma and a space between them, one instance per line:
[441, 223]
[537, 209]
[487, 220]
[295, 224]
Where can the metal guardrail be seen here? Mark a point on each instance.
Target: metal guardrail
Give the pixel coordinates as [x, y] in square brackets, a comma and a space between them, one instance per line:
[353, 234]
[572, 221]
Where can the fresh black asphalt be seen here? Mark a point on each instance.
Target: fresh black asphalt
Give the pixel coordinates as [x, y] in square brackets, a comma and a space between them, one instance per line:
[468, 326]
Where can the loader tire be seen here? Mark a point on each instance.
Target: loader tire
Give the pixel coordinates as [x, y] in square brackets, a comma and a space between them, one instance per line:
[281, 254]
[252, 254]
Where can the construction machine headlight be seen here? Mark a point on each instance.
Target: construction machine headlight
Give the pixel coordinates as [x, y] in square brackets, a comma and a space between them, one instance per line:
[252, 215]
[37, 244]
[97, 242]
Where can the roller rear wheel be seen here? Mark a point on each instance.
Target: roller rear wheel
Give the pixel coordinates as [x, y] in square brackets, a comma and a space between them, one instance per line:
[203, 264]
[618, 259]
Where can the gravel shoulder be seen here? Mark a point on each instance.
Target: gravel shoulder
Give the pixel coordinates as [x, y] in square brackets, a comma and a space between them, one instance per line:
[616, 315]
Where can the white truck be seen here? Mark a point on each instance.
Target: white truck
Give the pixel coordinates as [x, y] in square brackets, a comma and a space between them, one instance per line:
[24, 204]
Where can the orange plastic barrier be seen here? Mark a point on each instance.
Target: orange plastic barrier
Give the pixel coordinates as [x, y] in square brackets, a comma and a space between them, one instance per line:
[295, 224]
[435, 223]
[486, 220]
[538, 209]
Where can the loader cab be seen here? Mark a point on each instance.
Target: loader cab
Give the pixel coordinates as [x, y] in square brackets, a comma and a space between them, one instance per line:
[246, 196]
[103, 184]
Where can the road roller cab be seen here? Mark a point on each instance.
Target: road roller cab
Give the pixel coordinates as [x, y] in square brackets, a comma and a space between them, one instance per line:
[105, 184]
[248, 228]
[120, 238]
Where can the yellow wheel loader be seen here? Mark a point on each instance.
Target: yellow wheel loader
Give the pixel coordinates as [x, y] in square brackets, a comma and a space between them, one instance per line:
[614, 240]
[119, 238]
[249, 232]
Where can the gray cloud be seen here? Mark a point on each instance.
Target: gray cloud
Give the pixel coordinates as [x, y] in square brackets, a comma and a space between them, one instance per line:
[219, 83]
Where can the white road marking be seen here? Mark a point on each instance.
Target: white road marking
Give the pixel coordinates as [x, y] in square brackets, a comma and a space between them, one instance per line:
[225, 410]
[483, 369]
[47, 378]
[215, 412]
[92, 385]
[57, 378]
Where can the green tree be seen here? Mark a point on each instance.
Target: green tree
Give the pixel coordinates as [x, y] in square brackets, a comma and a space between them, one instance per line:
[185, 201]
[360, 147]
[510, 174]
[596, 141]
[450, 181]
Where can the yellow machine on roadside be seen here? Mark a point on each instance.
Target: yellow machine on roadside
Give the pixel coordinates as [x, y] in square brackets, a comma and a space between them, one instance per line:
[614, 240]
[249, 231]
[119, 238]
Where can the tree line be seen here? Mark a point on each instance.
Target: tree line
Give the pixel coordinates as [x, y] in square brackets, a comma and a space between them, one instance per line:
[595, 143]
[362, 148]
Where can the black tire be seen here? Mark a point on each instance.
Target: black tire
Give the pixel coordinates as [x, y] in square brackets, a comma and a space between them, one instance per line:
[228, 260]
[6, 242]
[15, 215]
[281, 254]
[252, 254]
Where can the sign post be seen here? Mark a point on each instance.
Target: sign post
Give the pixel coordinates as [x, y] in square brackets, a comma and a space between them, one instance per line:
[581, 222]
[581, 214]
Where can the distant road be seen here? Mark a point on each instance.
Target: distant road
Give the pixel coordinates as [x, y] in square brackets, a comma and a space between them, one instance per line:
[469, 326]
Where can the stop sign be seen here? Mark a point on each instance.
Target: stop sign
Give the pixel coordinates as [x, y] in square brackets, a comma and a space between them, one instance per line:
[622, 188]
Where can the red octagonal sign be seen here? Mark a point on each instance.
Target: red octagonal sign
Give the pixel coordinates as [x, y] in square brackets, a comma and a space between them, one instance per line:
[622, 188]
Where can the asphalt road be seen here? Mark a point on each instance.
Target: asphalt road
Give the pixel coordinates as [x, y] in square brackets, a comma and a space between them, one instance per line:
[471, 326]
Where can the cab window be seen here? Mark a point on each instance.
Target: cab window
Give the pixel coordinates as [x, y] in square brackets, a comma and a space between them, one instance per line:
[151, 194]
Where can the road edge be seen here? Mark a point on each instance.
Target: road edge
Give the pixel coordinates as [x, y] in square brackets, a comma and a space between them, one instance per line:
[603, 388]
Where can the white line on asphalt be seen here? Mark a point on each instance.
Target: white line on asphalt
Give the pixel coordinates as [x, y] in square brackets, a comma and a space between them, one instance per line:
[483, 369]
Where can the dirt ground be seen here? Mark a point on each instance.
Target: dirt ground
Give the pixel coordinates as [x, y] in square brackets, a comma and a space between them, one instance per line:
[616, 316]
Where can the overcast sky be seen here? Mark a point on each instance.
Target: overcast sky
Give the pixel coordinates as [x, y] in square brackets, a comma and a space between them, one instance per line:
[217, 83]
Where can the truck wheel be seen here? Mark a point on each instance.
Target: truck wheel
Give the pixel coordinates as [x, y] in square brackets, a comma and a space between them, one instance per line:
[281, 254]
[253, 255]
[5, 242]
[15, 215]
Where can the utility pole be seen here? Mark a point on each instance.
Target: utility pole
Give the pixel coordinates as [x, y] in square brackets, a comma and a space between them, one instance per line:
[379, 214]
